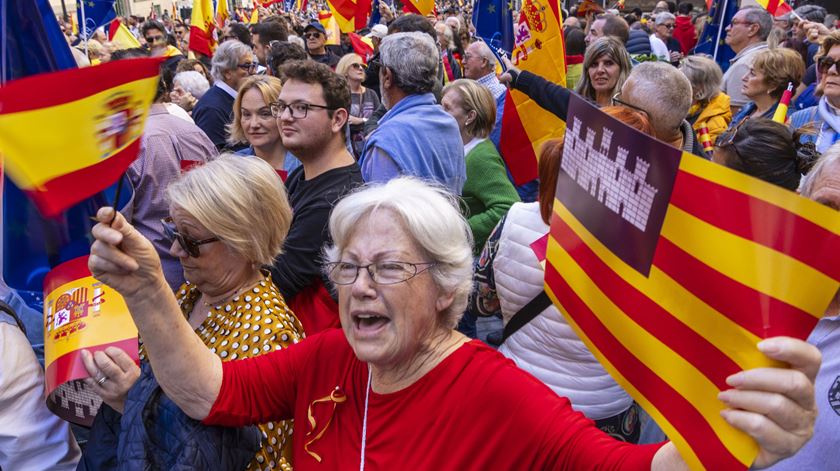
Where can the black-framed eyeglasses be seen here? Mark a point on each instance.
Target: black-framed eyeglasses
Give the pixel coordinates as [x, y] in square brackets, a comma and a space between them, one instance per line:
[298, 110]
[825, 63]
[668, 25]
[190, 245]
[616, 101]
[248, 66]
[383, 273]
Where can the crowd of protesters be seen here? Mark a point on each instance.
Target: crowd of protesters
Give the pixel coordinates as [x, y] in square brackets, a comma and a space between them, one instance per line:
[351, 210]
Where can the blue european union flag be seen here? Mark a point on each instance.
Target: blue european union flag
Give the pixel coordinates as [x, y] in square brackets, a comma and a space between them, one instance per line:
[711, 39]
[97, 13]
[493, 22]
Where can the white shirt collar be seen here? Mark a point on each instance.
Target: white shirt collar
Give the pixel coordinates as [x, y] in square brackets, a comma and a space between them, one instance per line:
[227, 88]
[471, 145]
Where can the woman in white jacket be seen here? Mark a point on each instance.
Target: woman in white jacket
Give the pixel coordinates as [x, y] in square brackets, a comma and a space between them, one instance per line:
[509, 276]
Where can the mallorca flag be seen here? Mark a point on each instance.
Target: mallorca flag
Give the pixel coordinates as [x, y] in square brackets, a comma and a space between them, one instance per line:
[538, 48]
[349, 14]
[671, 268]
[222, 13]
[421, 7]
[80, 313]
[120, 36]
[775, 7]
[89, 121]
[202, 39]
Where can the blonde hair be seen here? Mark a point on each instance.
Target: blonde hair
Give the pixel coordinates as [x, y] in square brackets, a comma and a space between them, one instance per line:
[475, 97]
[779, 66]
[268, 86]
[346, 60]
[240, 200]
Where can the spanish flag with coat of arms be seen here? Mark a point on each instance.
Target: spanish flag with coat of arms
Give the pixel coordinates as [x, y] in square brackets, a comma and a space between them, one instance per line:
[68, 135]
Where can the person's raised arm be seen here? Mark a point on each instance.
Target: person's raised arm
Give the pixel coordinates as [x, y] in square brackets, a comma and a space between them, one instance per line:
[775, 406]
[550, 96]
[120, 257]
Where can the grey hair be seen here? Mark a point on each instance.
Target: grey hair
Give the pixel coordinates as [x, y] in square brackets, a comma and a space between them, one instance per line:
[430, 216]
[193, 82]
[227, 57]
[759, 16]
[705, 76]
[663, 91]
[830, 157]
[486, 54]
[447, 33]
[413, 59]
[664, 16]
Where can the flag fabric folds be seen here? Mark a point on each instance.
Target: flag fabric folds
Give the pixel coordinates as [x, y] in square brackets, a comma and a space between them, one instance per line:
[327, 19]
[422, 7]
[96, 13]
[120, 36]
[775, 7]
[711, 40]
[672, 268]
[90, 122]
[202, 39]
[493, 22]
[375, 16]
[222, 13]
[33, 41]
[538, 48]
[362, 46]
[349, 14]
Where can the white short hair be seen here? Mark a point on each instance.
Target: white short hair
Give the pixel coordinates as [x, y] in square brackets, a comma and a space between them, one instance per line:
[664, 16]
[663, 91]
[829, 158]
[430, 215]
[193, 82]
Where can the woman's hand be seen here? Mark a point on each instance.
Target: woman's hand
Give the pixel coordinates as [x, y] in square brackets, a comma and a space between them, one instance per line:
[112, 373]
[122, 258]
[776, 406]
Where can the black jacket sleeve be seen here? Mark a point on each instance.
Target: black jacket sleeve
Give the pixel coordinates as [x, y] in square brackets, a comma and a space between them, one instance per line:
[300, 262]
[548, 95]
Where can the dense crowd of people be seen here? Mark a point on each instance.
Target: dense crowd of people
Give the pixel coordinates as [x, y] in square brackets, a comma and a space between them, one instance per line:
[307, 291]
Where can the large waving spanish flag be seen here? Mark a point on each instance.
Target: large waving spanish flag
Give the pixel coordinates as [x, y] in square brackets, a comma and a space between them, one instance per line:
[68, 135]
[351, 15]
[671, 268]
[422, 7]
[775, 7]
[538, 48]
[202, 26]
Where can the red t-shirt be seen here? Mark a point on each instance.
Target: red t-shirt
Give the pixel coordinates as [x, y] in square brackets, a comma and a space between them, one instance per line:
[475, 410]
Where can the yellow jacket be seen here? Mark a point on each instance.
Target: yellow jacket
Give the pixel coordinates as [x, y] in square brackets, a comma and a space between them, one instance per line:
[715, 116]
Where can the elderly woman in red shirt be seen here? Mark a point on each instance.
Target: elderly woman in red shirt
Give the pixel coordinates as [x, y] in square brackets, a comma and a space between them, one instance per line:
[397, 385]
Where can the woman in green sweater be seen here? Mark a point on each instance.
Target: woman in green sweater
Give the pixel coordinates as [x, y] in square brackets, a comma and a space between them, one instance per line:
[487, 193]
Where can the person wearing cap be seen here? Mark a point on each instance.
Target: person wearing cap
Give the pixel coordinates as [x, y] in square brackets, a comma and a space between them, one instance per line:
[377, 32]
[316, 37]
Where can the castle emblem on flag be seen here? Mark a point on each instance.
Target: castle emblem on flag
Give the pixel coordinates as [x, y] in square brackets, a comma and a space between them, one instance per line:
[624, 192]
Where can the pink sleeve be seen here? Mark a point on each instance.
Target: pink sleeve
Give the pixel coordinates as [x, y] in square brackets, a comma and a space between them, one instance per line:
[260, 389]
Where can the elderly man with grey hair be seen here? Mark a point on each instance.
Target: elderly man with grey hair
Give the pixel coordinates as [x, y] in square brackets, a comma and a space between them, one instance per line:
[415, 137]
[747, 36]
[480, 65]
[663, 93]
[232, 63]
[822, 184]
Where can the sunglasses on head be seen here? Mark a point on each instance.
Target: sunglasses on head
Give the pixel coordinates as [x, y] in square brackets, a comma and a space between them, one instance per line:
[825, 63]
[190, 245]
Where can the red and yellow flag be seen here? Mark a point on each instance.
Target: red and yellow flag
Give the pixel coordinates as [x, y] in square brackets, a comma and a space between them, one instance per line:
[673, 271]
[327, 19]
[222, 13]
[421, 7]
[780, 115]
[120, 36]
[538, 49]
[202, 25]
[351, 15]
[775, 7]
[88, 123]
[80, 313]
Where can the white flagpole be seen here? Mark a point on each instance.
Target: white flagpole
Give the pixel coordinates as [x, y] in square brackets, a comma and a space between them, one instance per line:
[84, 28]
[720, 28]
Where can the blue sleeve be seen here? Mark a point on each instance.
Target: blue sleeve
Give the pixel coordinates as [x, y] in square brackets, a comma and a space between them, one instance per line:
[378, 166]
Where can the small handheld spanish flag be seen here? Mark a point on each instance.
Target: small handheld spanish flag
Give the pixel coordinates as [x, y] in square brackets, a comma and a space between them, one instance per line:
[706, 139]
[68, 135]
[780, 116]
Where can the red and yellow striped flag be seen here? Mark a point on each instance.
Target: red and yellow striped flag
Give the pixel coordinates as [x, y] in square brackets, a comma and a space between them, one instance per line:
[202, 25]
[775, 7]
[421, 7]
[350, 15]
[538, 49]
[780, 115]
[68, 135]
[673, 271]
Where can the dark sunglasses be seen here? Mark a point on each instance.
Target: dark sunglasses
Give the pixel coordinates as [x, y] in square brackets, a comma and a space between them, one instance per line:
[311, 35]
[825, 63]
[190, 245]
[153, 39]
[358, 65]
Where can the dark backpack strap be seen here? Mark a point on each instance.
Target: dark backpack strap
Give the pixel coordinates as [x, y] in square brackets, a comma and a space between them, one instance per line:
[523, 316]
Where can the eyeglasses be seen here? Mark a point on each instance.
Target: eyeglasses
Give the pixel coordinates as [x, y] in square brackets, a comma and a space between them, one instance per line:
[382, 273]
[825, 63]
[190, 245]
[153, 39]
[617, 101]
[668, 25]
[311, 35]
[298, 109]
[249, 66]
[358, 66]
[740, 22]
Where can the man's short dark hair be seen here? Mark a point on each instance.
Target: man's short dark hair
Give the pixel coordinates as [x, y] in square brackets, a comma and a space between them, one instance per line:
[616, 27]
[575, 41]
[241, 32]
[685, 8]
[131, 53]
[270, 31]
[336, 90]
[413, 22]
[281, 52]
[153, 24]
